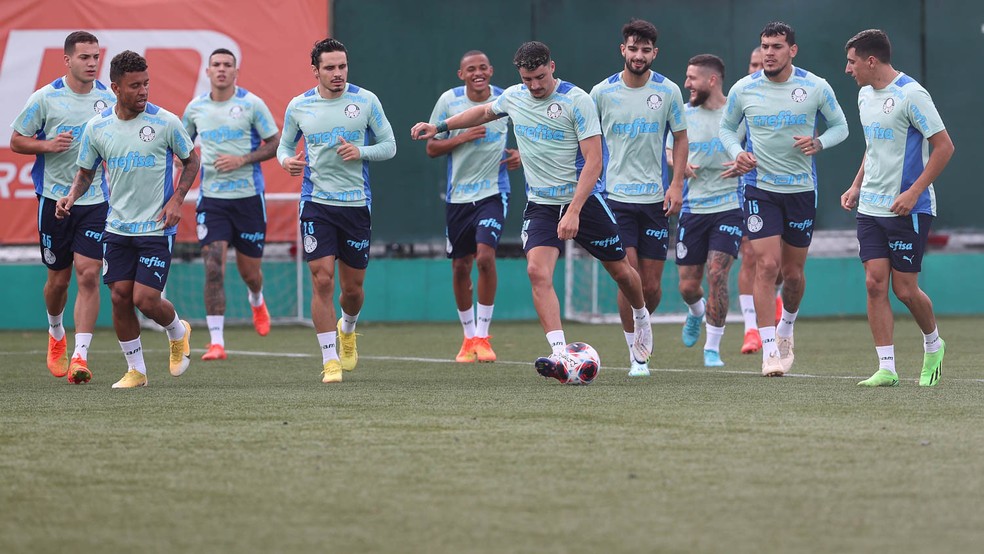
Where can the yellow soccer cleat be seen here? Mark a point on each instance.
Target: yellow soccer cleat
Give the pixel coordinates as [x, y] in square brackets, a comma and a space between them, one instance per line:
[347, 352]
[332, 372]
[58, 356]
[181, 352]
[483, 349]
[132, 379]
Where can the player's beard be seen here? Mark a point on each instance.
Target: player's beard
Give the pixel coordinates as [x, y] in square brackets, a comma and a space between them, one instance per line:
[645, 68]
[774, 72]
[700, 96]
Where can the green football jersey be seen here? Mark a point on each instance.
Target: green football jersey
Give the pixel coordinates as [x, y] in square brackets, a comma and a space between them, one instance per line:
[55, 109]
[635, 123]
[897, 122]
[235, 127]
[475, 170]
[548, 133]
[775, 113]
[356, 117]
[139, 155]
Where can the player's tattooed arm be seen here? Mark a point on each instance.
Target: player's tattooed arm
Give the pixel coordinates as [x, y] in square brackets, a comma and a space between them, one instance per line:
[80, 185]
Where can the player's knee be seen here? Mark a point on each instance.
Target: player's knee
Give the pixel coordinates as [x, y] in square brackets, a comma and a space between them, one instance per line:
[485, 263]
[539, 276]
[146, 301]
[58, 281]
[905, 292]
[767, 266]
[653, 290]
[87, 278]
[876, 285]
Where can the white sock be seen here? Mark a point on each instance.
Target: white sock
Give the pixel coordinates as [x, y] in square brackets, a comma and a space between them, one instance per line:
[327, 342]
[557, 340]
[785, 327]
[55, 327]
[697, 308]
[175, 331]
[255, 299]
[714, 335]
[769, 345]
[886, 357]
[215, 325]
[483, 319]
[747, 303]
[82, 341]
[348, 322]
[931, 342]
[640, 315]
[467, 319]
[133, 353]
[629, 339]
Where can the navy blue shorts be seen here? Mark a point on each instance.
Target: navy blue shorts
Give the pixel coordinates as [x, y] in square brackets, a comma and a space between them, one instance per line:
[475, 222]
[79, 233]
[644, 227]
[145, 260]
[699, 233]
[240, 222]
[900, 239]
[769, 214]
[343, 232]
[597, 230]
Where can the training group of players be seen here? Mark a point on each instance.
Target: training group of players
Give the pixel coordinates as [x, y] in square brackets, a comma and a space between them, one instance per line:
[606, 169]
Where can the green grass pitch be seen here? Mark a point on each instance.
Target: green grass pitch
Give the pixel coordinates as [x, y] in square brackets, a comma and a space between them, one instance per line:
[414, 454]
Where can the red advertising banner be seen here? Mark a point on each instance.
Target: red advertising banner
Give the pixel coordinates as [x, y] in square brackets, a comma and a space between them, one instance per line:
[271, 40]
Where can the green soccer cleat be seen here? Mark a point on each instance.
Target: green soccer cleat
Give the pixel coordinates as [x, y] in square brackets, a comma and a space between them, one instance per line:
[932, 369]
[881, 378]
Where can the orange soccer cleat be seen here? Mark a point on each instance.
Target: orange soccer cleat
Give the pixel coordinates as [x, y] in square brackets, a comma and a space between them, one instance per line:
[58, 356]
[78, 371]
[214, 352]
[261, 319]
[753, 342]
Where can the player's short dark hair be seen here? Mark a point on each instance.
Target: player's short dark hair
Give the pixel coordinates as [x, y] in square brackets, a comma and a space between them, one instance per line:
[710, 61]
[872, 42]
[473, 53]
[225, 51]
[325, 46]
[778, 28]
[78, 37]
[641, 29]
[125, 62]
[531, 55]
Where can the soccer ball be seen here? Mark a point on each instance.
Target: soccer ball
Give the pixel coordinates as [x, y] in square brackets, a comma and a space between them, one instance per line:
[582, 363]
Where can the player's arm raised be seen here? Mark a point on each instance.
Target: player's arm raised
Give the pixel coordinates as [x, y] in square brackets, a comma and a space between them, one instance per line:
[476, 115]
[590, 171]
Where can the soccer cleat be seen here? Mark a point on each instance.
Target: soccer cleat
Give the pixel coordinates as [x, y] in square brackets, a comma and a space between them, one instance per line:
[881, 378]
[483, 349]
[214, 352]
[347, 351]
[332, 372]
[552, 368]
[785, 346]
[181, 352]
[467, 354]
[638, 370]
[691, 330]
[932, 369]
[261, 319]
[772, 367]
[642, 344]
[78, 371]
[132, 379]
[712, 358]
[753, 342]
[58, 356]
[778, 308]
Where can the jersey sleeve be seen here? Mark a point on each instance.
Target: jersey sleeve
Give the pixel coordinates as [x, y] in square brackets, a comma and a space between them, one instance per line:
[263, 120]
[181, 143]
[837, 129]
[384, 146]
[188, 120]
[501, 105]
[89, 156]
[439, 114]
[587, 124]
[733, 115]
[31, 119]
[676, 118]
[922, 113]
[290, 137]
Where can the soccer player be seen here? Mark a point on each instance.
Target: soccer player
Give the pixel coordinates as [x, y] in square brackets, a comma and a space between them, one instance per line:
[906, 149]
[138, 142]
[559, 137]
[710, 227]
[344, 128]
[638, 109]
[231, 122]
[781, 106]
[49, 127]
[477, 197]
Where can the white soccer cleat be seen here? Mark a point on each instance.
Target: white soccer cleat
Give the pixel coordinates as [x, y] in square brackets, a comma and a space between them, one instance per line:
[638, 370]
[642, 344]
[785, 346]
